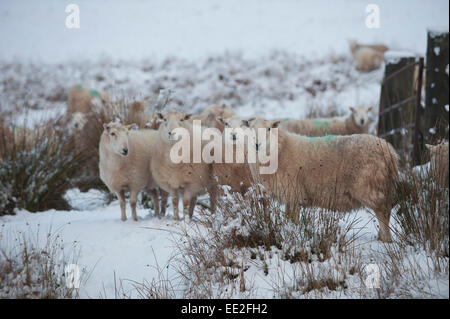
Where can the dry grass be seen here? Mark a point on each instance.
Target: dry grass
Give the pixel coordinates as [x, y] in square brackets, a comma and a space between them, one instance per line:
[423, 212]
[34, 268]
[38, 166]
[248, 229]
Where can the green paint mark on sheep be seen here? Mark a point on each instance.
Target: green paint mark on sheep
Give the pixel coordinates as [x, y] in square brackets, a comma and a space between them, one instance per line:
[321, 138]
[94, 93]
[321, 124]
[79, 86]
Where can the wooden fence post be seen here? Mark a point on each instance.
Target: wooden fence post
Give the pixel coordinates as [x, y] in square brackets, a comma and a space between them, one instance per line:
[398, 87]
[436, 111]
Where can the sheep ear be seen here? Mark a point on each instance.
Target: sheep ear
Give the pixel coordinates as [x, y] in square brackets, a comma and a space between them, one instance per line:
[221, 120]
[370, 108]
[187, 117]
[160, 116]
[131, 126]
[275, 124]
[246, 123]
[106, 127]
[352, 109]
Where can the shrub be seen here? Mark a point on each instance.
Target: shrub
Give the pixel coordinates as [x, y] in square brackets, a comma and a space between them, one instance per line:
[29, 269]
[422, 211]
[246, 227]
[36, 167]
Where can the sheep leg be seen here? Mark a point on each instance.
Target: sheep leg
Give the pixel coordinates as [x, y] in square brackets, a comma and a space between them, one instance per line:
[133, 201]
[121, 196]
[384, 233]
[185, 207]
[155, 200]
[192, 203]
[164, 196]
[175, 200]
[212, 199]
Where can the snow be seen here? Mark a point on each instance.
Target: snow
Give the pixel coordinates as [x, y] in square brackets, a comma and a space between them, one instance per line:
[275, 59]
[109, 247]
[157, 29]
[393, 57]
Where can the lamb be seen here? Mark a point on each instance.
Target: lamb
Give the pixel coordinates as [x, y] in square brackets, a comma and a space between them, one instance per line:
[333, 172]
[368, 57]
[125, 165]
[185, 180]
[356, 123]
[439, 163]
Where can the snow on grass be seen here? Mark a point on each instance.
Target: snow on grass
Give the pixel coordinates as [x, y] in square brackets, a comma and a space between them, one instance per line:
[276, 85]
[108, 247]
[118, 258]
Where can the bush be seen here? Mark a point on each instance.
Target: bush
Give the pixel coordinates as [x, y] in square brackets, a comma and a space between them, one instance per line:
[249, 227]
[33, 270]
[36, 167]
[422, 212]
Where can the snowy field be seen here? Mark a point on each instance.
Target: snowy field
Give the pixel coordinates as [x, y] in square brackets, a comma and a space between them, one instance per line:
[274, 59]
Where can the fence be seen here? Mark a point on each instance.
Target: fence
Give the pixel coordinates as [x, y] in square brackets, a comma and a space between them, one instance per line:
[400, 108]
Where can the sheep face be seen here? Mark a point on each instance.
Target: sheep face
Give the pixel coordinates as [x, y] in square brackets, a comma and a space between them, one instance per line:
[171, 121]
[234, 126]
[117, 138]
[263, 144]
[360, 115]
[78, 121]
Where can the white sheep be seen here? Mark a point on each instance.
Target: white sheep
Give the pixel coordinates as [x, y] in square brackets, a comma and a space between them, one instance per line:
[333, 172]
[357, 122]
[439, 159]
[367, 57]
[125, 165]
[80, 99]
[210, 116]
[236, 175]
[180, 180]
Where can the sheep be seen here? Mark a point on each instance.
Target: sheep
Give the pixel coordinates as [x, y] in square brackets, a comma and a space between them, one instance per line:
[236, 175]
[356, 123]
[210, 116]
[439, 163]
[368, 57]
[185, 180]
[354, 46]
[80, 99]
[333, 172]
[124, 164]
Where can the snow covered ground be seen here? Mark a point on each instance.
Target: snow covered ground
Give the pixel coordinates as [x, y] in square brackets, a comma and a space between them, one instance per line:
[275, 59]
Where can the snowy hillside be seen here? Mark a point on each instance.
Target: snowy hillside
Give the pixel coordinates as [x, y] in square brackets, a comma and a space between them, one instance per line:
[276, 59]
